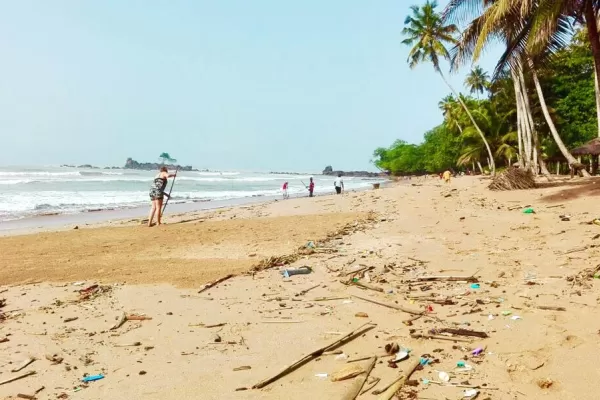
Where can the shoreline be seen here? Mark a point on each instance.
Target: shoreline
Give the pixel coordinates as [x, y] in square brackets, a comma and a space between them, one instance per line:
[91, 219]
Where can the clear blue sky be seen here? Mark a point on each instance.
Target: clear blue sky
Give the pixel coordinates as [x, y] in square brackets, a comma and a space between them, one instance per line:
[236, 84]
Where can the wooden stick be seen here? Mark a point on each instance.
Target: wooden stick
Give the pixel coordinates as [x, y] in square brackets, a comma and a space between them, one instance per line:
[365, 285]
[214, 283]
[134, 317]
[379, 391]
[391, 391]
[417, 260]
[358, 385]
[4, 340]
[330, 298]
[464, 332]
[303, 292]
[23, 364]
[16, 378]
[399, 308]
[352, 335]
[452, 339]
[281, 322]
[447, 278]
[552, 308]
[120, 322]
[373, 384]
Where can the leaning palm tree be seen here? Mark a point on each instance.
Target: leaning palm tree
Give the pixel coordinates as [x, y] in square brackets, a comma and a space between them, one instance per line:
[427, 35]
[449, 107]
[505, 19]
[478, 81]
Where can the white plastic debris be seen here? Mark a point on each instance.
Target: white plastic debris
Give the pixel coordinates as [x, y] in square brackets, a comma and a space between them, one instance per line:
[444, 377]
[401, 355]
[321, 375]
[471, 393]
[515, 317]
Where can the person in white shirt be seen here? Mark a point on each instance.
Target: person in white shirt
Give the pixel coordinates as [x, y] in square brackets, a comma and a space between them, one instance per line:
[339, 184]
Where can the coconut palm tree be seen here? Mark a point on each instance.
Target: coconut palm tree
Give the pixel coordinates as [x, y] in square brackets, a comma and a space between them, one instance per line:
[427, 35]
[478, 81]
[451, 113]
[165, 157]
[506, 19]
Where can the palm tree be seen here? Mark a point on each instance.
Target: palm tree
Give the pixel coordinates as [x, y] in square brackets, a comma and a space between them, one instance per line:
[165, 157]
[505, 19]
[449, 107]
[427, 35]
[478, 81]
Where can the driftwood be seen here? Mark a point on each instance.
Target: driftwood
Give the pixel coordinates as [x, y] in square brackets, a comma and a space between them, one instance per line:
[438, 337]
[464, 332]
[16, 378]
[352, 335]
[347, 372]
[330, 298]
[120, 321]
[303, 292]
[214, 283]
[358, 385]
[365, 285]
[551, 308]
[135, 317]
[394, 387]
[471, 278]
[395, 307]
[356, 271]
[417, 260]
[23, 364]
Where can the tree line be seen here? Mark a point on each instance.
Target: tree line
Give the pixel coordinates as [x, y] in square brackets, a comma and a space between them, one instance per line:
[541, 100]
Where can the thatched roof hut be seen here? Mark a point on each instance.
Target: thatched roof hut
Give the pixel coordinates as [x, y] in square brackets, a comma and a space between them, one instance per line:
[590, 148]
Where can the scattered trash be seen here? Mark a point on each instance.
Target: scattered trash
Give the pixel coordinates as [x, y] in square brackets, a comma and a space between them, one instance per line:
[92, 378]
[81, 283]
[444, 377]
[342, 356]
[471, 393]
[299, 271]
[425, 381]
[490, 317]
[515, 317]
[529, 211]
[243, 368]
[392, 348]
[460, 364]
[506, 313]
[347, 302]
[401, 356]
[361, 315]
[321, 375]
[475, 286]
[424, 361]
[310, 245]
[477, 351]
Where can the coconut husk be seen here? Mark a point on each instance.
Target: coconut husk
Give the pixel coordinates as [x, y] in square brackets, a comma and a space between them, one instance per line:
[513, 179]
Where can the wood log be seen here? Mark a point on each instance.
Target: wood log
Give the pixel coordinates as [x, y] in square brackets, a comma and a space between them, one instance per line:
[358, 385]
[23, 364]
[348, 337]
[447, 278]
[391, 391]
[395, 307]
[366, 286]
[216, 282]
[303, 292]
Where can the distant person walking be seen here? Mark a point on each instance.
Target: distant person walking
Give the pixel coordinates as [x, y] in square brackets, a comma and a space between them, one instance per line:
[311, 187]
[446, 176]
[157, 194]
[339, 184]
[285, 191]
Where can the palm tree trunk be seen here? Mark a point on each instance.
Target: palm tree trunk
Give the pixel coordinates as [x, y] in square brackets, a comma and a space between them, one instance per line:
[524, 142]
[462, 103]
[480, 167]
[535, 151]
[561, 146]
[597, 91]
[592, 28]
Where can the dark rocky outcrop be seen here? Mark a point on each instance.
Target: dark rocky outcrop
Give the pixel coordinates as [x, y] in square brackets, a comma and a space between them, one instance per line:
[132, 164]
[360, 174]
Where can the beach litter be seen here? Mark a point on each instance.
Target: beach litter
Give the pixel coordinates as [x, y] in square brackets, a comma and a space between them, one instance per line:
[298, 271]
[92, 378]
[444, 377]
[471, 393]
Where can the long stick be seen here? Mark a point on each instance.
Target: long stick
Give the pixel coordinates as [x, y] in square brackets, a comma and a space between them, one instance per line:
[15, 378]
[214, 283]
[391, 391]
[352, 335]
[399, 308]
[170, 190]
[358, 385]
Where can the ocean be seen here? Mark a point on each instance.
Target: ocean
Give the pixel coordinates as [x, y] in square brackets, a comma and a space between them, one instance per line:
[34, 191]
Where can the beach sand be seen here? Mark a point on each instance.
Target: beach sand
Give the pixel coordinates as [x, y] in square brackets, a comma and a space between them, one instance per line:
[403, 232]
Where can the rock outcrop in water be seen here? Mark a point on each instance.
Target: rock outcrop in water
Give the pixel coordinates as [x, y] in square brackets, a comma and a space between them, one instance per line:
[132, 164]
[360, 174]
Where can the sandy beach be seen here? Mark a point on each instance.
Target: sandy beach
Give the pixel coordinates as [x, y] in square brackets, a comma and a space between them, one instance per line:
[512, 315]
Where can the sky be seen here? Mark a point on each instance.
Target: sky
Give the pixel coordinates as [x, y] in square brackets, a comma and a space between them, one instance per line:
[265, 85]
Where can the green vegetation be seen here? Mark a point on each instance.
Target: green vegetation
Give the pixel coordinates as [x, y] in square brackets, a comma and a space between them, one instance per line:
[538, 103]
[166, 158]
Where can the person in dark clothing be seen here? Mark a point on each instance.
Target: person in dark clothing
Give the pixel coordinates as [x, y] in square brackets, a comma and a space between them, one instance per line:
[157, 194]
[311, 187]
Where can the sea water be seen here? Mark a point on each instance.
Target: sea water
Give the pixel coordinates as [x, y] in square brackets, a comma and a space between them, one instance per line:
[33, 191]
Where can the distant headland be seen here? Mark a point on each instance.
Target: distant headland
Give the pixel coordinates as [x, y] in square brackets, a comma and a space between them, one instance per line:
[146, 166]
[359, 174]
